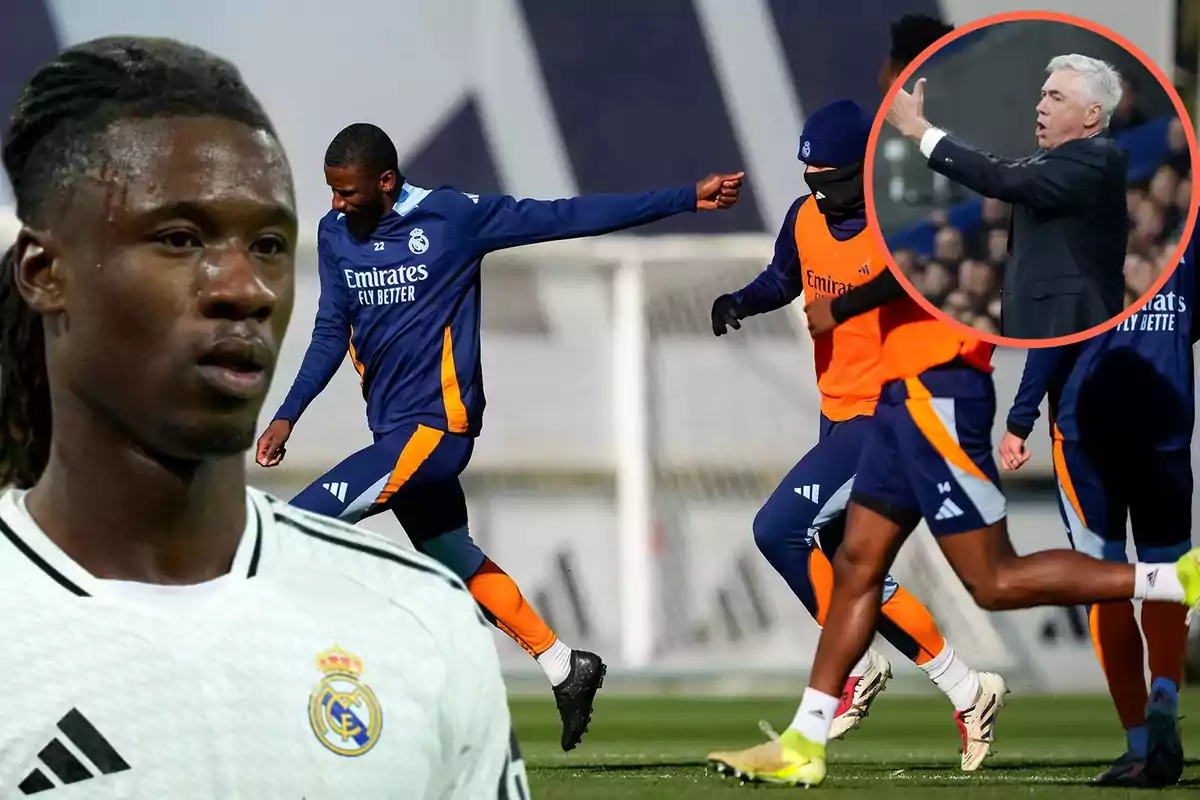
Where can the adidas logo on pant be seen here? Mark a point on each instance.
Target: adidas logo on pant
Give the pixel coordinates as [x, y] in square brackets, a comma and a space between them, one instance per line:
[810, 492]
[948, 510]
[337, 489]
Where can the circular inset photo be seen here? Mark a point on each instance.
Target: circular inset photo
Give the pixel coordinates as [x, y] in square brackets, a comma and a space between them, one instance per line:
[1030, 177]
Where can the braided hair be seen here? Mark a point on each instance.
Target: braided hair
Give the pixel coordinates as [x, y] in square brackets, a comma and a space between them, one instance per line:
[53, 140]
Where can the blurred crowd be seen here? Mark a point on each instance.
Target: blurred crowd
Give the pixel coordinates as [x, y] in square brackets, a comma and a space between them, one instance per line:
[963, 275]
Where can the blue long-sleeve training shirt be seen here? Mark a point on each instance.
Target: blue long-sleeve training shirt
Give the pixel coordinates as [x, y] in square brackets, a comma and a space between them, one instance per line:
[405, 302]
[1130, 386]
[783, 279]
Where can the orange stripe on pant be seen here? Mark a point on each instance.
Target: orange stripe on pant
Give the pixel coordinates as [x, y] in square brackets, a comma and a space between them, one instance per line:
[490, 585]
[820, 575]
[1058, 454]
[416, 450]
[912, 617]
[920, 407]
[904, 610]
[456, 412]
[498, 593]
[358, 367]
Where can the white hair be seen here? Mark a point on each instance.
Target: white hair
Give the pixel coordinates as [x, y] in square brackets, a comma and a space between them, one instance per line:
[1101, 81]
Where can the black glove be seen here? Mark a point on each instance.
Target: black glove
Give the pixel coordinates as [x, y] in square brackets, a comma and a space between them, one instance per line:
[725, 313]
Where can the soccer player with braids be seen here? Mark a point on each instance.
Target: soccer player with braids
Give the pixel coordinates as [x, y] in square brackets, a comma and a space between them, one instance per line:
[24, 391]
[143, 305]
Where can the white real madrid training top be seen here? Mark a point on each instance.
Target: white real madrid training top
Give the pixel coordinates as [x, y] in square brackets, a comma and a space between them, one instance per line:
[328, 663]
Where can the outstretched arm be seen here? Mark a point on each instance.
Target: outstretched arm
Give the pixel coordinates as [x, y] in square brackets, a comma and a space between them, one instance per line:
[1059, 181]
[1064, 178]
[503, 221]
[330, 341]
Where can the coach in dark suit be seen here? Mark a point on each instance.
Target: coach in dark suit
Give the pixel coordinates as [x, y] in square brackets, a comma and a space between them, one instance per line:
[1067, 236]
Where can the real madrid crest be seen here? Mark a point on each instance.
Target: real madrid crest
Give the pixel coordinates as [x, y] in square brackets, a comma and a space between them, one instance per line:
[418, 242]
[806, 150]
[343, 711]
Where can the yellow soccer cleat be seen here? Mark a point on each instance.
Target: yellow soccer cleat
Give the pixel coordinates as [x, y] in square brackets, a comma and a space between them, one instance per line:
[1188, 570]
[787, 760]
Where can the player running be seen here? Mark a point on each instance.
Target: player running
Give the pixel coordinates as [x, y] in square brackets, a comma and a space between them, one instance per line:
[824, 249]
[1122, 409]
[400, 289]
[189, 636]
[930, 457]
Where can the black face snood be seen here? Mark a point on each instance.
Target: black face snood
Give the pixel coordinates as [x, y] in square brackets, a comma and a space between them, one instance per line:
[839, 192]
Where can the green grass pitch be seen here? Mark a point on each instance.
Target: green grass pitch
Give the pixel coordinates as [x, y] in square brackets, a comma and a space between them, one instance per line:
[655, 747]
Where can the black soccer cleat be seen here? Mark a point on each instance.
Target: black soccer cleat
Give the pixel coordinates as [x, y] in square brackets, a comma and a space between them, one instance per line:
[1164, 757]
[575, 696]
[1127, 772]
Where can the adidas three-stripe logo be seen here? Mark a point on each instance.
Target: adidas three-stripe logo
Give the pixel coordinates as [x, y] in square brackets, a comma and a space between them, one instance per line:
[811, 492]
[948, 510]
[987, 725]
[338, 490]
[79, 754]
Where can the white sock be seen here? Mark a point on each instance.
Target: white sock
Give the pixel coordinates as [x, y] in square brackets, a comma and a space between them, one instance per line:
[860, 668]
[556, 662]
[1157, 582]
[814, 717]
[952, 675]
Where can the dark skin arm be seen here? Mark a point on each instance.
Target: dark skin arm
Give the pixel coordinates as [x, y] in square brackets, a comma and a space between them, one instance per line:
[826, 313]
